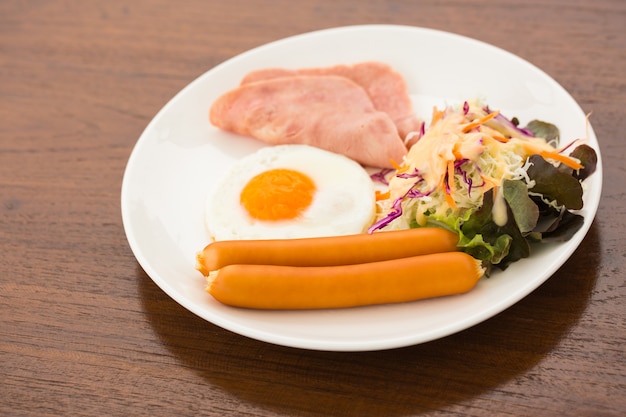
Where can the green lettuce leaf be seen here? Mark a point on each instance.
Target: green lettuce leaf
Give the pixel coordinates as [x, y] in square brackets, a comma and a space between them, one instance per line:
[525, 211]
[545, 130]
[497, 245]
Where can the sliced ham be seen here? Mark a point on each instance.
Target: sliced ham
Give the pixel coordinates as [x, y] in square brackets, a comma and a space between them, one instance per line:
[329, 112]
[386, 88]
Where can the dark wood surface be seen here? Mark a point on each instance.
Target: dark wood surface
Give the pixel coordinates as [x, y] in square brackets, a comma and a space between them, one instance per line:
[85, 332]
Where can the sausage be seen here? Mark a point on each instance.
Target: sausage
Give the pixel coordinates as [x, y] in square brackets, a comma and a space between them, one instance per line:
[318, 287]
[327, 251]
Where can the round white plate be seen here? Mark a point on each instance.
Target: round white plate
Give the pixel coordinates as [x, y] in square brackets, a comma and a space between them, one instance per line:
[179, 157]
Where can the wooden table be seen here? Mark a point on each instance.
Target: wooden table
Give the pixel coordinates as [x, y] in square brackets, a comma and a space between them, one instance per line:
[84, 331]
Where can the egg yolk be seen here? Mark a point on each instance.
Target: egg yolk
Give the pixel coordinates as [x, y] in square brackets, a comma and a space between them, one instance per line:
[277, 194]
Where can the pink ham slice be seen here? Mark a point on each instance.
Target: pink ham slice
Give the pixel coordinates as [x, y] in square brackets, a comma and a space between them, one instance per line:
[386, 88]
[329, 112]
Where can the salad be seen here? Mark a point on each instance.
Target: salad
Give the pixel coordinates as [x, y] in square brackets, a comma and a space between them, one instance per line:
[499, 186]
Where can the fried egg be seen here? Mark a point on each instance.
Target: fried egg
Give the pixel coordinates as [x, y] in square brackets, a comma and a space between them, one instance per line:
[291, 191]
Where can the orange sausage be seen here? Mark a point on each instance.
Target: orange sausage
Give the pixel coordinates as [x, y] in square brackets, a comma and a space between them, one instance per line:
[327, 251]
[392, 281]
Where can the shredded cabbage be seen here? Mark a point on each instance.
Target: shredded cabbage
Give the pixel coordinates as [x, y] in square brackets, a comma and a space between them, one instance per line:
[467, 152]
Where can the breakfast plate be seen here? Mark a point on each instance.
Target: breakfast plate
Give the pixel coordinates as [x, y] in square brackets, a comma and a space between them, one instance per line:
[180, 156]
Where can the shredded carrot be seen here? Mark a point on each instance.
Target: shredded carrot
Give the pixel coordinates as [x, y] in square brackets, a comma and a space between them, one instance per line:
[437, 115]
[450, 200]
[500, 138]
[570, 162]
[480, 121]
[489, 182]
[564, 159]
[451, 186]
[394, 164]
[399, 168]
[455, 151]
[382, 196]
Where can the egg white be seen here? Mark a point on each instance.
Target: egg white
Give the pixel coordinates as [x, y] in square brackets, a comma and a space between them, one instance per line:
[344, 202]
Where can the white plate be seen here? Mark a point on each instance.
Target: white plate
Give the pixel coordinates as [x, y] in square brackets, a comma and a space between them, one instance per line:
[180, 155]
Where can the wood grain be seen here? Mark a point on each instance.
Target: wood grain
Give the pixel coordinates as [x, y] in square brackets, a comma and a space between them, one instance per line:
[84, 330]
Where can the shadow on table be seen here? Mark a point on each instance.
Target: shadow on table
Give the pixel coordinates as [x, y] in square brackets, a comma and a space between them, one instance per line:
[394, 382]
